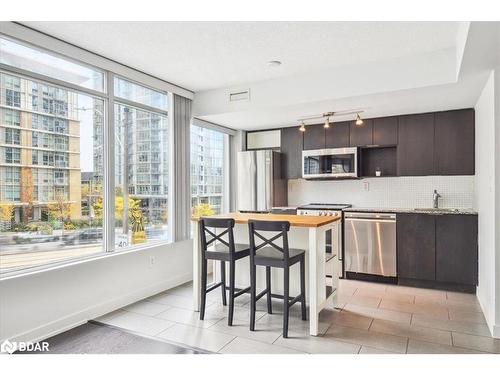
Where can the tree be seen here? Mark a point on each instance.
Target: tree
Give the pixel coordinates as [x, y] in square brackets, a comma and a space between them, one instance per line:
[6, 211]
[203, 209]
[27, 194]
[61, 209]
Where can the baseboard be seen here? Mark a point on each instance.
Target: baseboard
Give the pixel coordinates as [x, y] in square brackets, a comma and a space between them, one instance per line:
[72, 320]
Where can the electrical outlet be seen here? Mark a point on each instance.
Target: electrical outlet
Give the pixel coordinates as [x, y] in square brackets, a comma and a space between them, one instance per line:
[152, 260]
[366, 186]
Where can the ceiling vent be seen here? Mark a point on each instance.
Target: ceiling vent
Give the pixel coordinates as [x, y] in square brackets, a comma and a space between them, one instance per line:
[239, 96]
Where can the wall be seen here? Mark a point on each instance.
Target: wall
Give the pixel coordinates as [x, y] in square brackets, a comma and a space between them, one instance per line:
[485, 197]
[39, 305]
[389, 192]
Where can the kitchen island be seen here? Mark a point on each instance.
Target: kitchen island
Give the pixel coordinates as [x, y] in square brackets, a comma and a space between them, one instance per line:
[307, 233]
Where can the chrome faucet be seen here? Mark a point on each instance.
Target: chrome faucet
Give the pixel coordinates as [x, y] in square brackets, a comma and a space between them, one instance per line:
[435, 199]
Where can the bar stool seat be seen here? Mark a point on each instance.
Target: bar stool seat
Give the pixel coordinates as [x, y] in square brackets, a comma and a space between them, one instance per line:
[269, 256]
[222, 252]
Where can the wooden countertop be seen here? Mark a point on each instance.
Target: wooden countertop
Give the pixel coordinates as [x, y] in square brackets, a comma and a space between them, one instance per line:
[295, 220]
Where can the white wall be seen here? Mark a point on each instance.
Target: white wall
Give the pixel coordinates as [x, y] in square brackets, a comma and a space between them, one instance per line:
[39, 305]
[485, 197]
[388, 192]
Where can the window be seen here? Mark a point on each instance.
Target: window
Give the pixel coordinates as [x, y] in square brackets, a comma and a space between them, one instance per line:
[207, 171]
[41, 201]
[145, 194]
[34, 60]
[140, 94]
[52, 160]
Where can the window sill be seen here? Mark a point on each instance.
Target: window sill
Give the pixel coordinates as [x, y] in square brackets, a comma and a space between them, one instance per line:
[8, 275]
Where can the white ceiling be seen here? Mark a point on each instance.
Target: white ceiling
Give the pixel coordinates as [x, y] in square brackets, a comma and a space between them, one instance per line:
[384, 68]
[206, 55]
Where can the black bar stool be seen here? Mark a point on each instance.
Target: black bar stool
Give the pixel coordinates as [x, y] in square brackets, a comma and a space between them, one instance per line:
[269, 254]
[223, 251]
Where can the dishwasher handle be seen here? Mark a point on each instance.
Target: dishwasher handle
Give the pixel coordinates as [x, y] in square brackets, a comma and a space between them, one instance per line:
[370, 216]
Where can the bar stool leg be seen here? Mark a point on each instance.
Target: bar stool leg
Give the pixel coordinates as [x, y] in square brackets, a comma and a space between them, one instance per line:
[223, 281]
[253, 287]
[232, 266]
[303, 287]
[268, 287]
[203, 288]
[286, 305]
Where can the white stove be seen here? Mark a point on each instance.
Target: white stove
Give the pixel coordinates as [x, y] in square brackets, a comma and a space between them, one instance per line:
[333, 248]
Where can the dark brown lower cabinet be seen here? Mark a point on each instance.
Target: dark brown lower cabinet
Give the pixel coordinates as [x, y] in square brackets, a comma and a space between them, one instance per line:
[437, 251]
[456, 249]
[416, 250]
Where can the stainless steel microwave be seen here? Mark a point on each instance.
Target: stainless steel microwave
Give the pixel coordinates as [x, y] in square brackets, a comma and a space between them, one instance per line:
[330, 163]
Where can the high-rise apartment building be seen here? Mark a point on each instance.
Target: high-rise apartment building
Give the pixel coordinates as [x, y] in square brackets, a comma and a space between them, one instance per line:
[207, 167]
[39, 148]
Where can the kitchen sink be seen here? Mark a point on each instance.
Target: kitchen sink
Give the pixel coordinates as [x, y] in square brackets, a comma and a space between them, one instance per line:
[436, 210]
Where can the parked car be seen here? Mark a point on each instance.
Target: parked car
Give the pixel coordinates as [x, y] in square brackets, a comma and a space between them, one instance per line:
[85, 236]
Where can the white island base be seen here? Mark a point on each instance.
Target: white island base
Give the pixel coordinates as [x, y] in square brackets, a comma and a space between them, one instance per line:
[303, 235]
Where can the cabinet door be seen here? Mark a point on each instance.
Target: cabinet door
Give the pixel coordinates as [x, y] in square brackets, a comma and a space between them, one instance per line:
[291, 148]
[416, 246]
[385, 131]
[454, 137]
[361, 135]
[314, 137]
[415, 152]
[338, 135]
[456, 249]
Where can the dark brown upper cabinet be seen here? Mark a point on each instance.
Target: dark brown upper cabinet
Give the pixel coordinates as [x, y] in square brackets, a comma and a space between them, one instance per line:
[314, 137]
[454, 143]
[456, 249]
[361, 135]
[385, 131]
[291, 148]
[416, 248]
[415, 151]
[337, 135]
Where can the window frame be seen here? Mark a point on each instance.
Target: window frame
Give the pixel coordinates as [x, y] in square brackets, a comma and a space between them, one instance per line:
[109, 100]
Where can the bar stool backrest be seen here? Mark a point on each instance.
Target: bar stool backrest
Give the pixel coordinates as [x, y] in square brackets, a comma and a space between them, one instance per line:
[256, 226]
[208, 226]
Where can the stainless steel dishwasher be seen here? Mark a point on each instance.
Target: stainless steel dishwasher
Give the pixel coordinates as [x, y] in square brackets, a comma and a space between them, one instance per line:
[370, 243]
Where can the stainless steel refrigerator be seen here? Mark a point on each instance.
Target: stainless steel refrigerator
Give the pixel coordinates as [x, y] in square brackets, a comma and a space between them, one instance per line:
[260, 183]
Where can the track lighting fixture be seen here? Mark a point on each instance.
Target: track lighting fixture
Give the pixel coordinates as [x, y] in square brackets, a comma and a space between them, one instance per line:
[359, 121]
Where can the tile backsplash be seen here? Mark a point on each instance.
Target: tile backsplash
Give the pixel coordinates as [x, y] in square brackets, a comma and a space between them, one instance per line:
[386, 192]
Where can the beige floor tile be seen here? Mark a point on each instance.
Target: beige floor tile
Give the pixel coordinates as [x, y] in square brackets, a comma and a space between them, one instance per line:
[485, 344]
[368, 350]
[190, 317]
[147, 308]
[414, 332]
[350, 319]
[462, 297]
[175, 301]
[241, 345]
[431, 293]
[367, 301]
[434, 310]
[240, 312]
[408, 298]
[396, 316]
[317, 345]
[241, 328]
[197, 337]
[457, 305]
[274, 322]
[368, 338]
[451, 325]
[423, 347]
[467, 316]
[135, 322]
